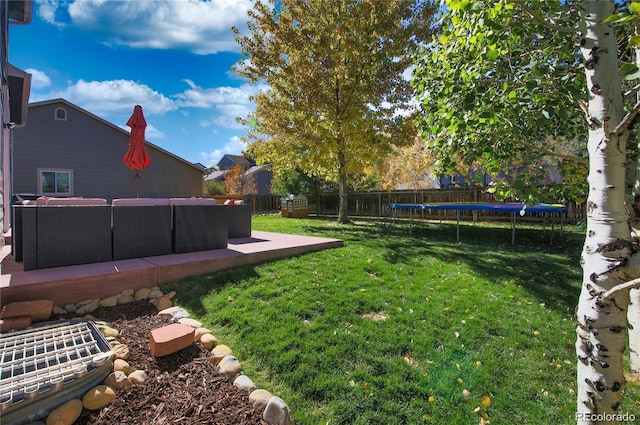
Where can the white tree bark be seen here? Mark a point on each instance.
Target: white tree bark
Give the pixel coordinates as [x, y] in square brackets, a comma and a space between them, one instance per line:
[633, 198]
[634, 331]
[633, 315]
[608, 250]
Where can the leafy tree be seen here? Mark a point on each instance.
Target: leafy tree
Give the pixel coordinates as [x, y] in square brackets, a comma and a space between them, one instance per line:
[238, 182]
[334, 71]
[521, 98]
[295, 181]
[214, 188]
[495, 95]
[410, 167]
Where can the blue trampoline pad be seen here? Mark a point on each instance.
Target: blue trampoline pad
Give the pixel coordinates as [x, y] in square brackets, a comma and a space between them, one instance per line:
[484, 206]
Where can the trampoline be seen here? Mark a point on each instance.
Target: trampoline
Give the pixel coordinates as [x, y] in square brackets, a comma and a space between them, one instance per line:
[554, 210]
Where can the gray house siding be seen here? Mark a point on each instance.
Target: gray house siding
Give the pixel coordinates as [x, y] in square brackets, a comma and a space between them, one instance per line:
[92, 149]
[264, 182]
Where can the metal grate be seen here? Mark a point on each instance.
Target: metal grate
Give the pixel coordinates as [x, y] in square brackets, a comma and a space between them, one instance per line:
[48, 364]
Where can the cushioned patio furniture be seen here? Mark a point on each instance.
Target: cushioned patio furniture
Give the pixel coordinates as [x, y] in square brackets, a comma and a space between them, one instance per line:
[16, 215]
[16, 232]
[141, 227]
[65, 232]
[239, 220]
[198, 225]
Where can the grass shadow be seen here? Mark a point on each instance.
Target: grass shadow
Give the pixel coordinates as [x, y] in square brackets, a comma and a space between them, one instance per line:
[547, 268]
[191, 291]
[550, 272]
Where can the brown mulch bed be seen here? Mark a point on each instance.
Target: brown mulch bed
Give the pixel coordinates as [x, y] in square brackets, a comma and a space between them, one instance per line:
[181, 389]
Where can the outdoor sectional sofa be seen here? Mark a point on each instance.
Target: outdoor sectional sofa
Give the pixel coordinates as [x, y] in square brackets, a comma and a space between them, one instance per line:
[141, 227]
[239, 220]
[61, 232]
[198, 225]
[50, 232]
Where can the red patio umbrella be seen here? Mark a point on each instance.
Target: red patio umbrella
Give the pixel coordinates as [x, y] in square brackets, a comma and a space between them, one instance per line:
[137, 157]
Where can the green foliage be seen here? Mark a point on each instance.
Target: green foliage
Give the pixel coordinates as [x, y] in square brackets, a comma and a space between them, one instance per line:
[334, 71]
[515, 105]
[306, 328]
[295, 181]
[214, 188]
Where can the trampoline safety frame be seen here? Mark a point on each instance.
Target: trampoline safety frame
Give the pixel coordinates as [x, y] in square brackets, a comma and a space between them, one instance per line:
[514, 208]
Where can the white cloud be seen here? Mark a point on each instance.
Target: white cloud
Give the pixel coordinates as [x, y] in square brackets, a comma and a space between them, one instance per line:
[228, 103]
[227, 115]
[199, 97]
[234, 146]
[202, 27]
[115, 97]
[151, 133]
[39, 79]
[47, 10]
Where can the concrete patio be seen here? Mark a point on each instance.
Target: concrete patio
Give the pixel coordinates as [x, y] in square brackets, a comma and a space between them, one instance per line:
[71, 284]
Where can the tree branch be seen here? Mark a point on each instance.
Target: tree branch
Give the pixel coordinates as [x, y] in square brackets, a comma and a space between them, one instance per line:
[627, 286]
[546, 151]
[628, 119]
[542, 20]
[632, 90]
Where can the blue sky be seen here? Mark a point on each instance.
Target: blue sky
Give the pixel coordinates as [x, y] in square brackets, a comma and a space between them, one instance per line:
[172, 57]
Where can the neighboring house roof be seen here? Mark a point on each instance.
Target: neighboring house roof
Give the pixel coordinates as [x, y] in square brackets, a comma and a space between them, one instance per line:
[255, 169]
[84, 111]
[260, 173]
[200, 165]
[215, 176]
[229, 161]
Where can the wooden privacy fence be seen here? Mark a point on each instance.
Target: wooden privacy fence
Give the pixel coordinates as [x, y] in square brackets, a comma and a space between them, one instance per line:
[375, 204]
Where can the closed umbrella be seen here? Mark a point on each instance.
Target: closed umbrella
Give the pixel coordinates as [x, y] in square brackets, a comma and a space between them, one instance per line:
[137, 157]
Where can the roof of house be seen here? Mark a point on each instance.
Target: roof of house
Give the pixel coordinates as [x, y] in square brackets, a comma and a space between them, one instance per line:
[215, 175]
[102, 120]
[237, 159]
[255, 169]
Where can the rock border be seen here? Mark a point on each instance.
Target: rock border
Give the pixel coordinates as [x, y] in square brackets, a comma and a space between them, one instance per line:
[222, 361]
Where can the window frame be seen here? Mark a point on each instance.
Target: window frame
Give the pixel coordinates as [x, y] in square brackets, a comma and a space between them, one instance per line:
[63, 115]
[41, 181]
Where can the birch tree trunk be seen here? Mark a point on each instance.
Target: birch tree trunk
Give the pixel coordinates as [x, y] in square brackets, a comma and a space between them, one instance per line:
[634, 331]
[633, 199]
[633, 202]
[607, 251]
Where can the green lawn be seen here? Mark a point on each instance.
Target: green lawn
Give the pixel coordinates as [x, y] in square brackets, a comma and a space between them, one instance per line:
[392, 329]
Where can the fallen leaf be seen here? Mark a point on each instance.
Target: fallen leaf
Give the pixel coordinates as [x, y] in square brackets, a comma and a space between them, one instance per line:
[410, 361]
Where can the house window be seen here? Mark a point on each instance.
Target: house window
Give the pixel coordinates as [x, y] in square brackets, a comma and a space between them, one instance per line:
[55, 182]
[61, 114]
